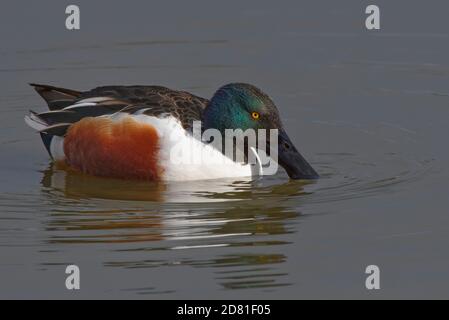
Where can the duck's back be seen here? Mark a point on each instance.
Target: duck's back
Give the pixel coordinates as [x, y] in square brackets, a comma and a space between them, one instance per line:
[150, 100]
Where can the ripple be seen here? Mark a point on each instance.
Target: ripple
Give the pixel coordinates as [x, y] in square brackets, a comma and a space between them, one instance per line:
[348, 176]
[142, 224]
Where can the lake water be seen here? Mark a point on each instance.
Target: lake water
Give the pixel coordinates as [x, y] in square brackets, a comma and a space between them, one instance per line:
[369, 109]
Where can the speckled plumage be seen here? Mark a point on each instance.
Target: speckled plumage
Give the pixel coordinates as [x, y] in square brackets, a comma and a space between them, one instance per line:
[149, 100]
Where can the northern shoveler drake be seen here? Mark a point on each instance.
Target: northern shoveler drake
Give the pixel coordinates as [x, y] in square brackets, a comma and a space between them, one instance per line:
[128, 131]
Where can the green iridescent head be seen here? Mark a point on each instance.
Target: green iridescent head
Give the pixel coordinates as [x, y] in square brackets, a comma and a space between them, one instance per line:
[243, 106]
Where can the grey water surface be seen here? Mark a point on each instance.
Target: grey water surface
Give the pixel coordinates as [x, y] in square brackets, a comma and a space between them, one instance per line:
[369, 110]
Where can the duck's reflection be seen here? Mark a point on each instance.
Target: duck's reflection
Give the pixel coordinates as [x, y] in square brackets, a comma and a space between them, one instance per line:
[76, 185]
[248, 218]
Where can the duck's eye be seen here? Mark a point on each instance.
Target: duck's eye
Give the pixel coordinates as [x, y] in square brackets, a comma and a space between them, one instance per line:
[255, 115]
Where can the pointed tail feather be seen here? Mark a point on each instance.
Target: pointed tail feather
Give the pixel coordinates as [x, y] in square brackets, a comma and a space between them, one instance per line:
[56, 98]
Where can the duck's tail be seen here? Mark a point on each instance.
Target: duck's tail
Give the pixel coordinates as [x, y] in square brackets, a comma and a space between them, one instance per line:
[56, 98]
[47, 123]
[47, 131]
[66, 108]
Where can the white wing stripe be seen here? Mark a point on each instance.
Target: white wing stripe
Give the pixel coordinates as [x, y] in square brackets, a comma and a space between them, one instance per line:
[141, 111]
[88, 104]
[95, 99]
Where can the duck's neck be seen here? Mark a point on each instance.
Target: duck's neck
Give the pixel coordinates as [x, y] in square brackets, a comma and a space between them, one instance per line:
[213, 117]
[221, 117]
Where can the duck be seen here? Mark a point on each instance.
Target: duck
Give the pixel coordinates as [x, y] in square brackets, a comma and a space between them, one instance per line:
[130, 132]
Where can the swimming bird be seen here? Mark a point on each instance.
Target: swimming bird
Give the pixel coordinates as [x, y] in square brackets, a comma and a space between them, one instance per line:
[129, 132]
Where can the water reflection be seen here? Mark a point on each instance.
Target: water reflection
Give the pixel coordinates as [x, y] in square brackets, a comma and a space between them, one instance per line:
[61, 180]
[148, 224]
[238, 231]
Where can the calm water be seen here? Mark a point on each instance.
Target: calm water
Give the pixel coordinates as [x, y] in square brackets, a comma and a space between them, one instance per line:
[369, 110]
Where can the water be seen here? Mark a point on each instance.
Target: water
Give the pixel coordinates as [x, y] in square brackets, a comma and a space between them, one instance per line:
[368, 109]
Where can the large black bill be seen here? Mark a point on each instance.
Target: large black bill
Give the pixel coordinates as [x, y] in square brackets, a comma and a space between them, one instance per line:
[292, 161]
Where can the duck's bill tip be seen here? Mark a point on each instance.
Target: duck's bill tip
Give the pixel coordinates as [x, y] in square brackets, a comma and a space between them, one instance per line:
[292, 161]
[295, 176]
[297, 167]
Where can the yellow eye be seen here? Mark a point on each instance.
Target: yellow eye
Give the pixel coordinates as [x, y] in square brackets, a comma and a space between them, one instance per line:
[255, 115]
